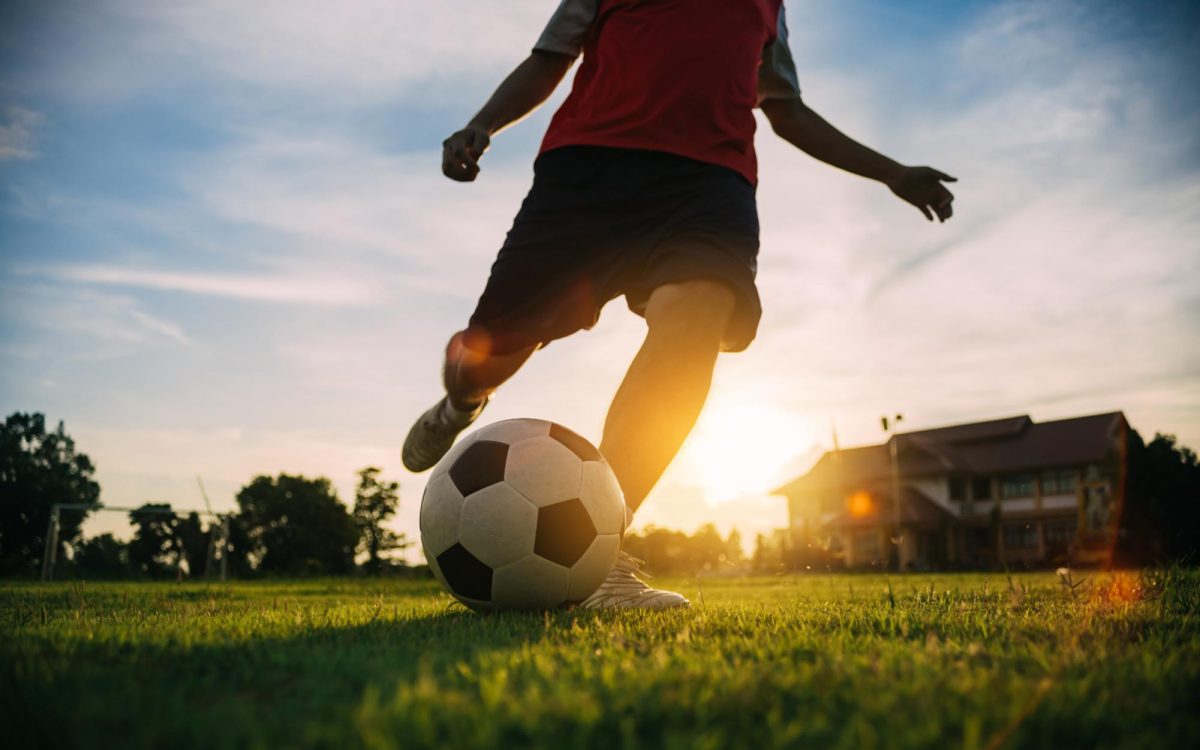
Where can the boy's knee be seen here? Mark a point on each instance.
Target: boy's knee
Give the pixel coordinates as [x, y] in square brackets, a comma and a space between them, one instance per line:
[700, 307]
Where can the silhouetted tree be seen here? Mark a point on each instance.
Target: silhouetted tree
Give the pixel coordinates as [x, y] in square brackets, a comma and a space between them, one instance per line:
[706, 548]
[297, 526]
[734, 554]
[1161, 519]
[773, 553]
[666, 552]
[37, 470]
[155, 549]
[194, 539]
[102, 556]
[375, 502]
[240, 550]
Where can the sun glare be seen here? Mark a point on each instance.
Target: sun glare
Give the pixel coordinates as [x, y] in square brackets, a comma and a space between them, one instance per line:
[741, 446]
[861, 504]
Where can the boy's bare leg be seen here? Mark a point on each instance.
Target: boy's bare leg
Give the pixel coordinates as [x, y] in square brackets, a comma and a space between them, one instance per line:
[655, 409]
[471, 374]
[666, 385]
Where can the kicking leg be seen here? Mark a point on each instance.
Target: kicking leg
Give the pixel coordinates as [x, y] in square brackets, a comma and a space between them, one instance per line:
[664, 390]
[471, 374]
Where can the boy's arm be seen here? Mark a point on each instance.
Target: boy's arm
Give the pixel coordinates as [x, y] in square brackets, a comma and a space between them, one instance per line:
[530, 84]
[793, 121]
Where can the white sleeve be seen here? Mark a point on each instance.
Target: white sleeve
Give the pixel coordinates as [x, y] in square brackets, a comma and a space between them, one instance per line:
[777, 77]
[569, 24]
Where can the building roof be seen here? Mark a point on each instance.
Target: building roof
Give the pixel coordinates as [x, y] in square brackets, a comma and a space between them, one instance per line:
[1012, 444]
[916, 509]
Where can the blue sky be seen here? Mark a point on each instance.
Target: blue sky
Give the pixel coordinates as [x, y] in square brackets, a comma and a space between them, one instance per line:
[226, 247]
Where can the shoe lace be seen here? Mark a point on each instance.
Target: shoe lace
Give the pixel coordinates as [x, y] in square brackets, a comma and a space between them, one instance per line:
[624, 575]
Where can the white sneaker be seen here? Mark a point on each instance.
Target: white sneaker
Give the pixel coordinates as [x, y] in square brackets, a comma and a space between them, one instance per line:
[624, 590]
[432, 435]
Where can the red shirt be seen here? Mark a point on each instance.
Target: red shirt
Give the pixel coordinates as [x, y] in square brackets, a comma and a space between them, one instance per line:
[681, 76]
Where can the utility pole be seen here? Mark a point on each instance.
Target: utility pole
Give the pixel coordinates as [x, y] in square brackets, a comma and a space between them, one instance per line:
[890, 428]
[225, 547]
[50, 556]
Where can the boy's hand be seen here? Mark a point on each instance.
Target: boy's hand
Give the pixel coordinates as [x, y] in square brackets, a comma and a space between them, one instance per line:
[922, 187]
[461, 152]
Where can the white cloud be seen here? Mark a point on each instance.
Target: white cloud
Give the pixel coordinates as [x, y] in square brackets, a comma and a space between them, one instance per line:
[337, 198]
[372, 48]
[315, 288]
[18, 133]
[107, 322]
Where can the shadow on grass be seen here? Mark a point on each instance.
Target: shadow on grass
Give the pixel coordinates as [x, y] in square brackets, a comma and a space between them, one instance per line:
[269, 691]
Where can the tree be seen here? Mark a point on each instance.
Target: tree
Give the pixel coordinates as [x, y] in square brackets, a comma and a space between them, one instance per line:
[194, 541]
[155, 549]
[706, 549]
[772, 553]
[297, 526]
[674, 552]
[734, 554]
[102, 556]
[1161, 519]
[37, 470]
[374, 503]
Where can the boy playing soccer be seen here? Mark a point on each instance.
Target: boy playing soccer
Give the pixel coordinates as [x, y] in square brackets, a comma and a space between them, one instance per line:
[644, 186]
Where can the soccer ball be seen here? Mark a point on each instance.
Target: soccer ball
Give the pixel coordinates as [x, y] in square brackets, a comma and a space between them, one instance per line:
[522, 514]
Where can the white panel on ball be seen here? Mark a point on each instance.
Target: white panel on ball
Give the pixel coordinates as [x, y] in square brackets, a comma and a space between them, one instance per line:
[590, 570]
[530, 583]
[601, 495]
[498, 525]
[543, 470]
[514, 430]
[441, 512]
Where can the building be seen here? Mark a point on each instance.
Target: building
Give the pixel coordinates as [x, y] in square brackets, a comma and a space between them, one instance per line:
[1007, 491]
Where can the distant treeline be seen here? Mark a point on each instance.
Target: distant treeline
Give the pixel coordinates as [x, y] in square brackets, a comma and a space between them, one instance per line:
[285, 525]
[667, 552]
[289, 525]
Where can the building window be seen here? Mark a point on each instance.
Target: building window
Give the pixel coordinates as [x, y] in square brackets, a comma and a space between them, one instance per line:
[981, 488]
[1016, 485]
[1020, 536]
[980, 542]
[1058, 482]
[1060, 533]
[958, 488]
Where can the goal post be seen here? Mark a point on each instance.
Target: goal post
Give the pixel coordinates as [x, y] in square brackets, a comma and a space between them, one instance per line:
[216, 560]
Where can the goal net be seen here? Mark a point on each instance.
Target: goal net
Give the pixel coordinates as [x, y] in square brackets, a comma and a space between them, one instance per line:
[191, 542]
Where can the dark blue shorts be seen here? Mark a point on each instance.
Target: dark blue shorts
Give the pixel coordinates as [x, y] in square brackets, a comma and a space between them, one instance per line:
[602, 222]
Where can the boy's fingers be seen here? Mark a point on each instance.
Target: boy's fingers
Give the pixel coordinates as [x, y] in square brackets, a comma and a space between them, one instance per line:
[477, 143]
[458, 163]
[945, 177]
[925, 211]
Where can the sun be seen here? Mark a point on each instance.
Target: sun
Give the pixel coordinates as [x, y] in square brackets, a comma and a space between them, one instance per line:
[742, 445]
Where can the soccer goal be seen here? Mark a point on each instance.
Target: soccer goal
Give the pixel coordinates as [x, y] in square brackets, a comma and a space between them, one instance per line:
[216, 561]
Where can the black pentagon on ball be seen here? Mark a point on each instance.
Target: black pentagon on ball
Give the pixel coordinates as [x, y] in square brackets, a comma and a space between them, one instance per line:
[481, 465]
[574, 443]
[564, 532]
[466, 575]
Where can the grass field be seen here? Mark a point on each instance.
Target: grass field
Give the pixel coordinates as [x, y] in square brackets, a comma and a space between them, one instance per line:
[798, 661]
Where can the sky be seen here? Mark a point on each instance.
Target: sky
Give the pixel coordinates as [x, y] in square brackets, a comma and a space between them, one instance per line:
[227, 249]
